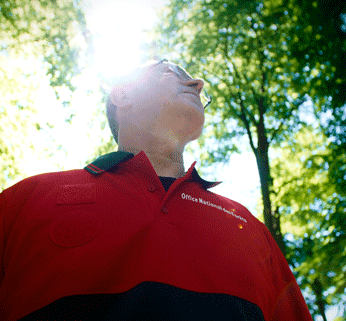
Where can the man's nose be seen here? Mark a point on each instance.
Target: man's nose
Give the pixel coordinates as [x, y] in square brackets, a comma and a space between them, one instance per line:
[197, 83]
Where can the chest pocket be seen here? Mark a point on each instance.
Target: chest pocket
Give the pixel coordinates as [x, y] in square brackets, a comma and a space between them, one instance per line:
[76, 225]
[77, 194]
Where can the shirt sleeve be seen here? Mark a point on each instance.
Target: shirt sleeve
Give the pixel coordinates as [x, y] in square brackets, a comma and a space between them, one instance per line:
[2, 235]
[289, 304]
[12, 200]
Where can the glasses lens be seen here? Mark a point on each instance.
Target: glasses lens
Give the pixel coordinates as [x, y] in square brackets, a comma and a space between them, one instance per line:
[205, 98]
[182, 73]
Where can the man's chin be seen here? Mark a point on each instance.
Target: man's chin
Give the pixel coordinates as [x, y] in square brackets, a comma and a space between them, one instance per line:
[192, 104]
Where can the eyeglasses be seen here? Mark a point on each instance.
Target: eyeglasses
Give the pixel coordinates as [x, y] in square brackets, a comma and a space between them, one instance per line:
[181, 73]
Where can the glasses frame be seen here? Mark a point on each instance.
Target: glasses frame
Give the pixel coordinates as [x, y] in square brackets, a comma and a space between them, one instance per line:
[182, 73]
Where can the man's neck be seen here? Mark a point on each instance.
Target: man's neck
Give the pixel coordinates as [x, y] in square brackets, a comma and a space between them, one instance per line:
[166, 164]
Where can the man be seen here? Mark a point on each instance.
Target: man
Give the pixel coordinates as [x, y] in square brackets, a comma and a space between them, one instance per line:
[132, 236]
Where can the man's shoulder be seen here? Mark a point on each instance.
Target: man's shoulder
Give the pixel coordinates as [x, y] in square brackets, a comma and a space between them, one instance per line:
[13, 198]
[233, 204]
[73, 175]
[240, 211]
[28, 185]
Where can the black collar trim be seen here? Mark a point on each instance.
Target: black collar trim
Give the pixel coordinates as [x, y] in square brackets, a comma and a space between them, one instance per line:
[108, 161]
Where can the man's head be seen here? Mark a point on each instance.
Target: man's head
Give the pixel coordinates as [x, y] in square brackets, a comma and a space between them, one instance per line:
[157, 100]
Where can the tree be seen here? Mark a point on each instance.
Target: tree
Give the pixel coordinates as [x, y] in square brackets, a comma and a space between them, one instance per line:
[51, 34]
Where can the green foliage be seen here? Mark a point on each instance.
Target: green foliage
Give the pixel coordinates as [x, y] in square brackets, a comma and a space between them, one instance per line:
[16, 117]
[319, 44]
[312, 212]
[39, 39]
[335, 129]
[299, 175]
[46, 29]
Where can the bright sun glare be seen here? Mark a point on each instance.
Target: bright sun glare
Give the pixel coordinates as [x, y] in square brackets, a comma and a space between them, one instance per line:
[117, 28]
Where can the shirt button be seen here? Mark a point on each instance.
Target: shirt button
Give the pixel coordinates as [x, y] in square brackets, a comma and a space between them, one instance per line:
[152, 188]
[164, 210]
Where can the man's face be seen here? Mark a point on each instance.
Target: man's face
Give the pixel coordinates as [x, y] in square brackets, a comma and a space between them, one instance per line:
[162, 99]
[165, 87]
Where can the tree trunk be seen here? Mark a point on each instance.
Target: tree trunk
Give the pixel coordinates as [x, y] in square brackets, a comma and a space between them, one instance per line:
[271, 218]
[317, 288]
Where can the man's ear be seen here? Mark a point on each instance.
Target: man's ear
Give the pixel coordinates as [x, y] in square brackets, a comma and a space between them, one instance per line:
[119, 98]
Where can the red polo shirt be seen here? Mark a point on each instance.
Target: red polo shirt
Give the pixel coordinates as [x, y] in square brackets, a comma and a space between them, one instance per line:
[108, 242]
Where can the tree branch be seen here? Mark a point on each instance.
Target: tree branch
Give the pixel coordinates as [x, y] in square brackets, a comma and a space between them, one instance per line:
[252, 117]
[246, 123]
[284, 121]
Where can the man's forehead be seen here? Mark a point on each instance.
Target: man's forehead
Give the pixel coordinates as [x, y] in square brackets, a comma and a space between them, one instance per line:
[151, 64]
[131, 77]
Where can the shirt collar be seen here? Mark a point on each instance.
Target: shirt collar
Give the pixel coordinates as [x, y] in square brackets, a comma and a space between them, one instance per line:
[107, 162]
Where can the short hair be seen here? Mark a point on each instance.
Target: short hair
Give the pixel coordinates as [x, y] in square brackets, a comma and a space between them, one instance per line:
[110, 106]
[112, 118]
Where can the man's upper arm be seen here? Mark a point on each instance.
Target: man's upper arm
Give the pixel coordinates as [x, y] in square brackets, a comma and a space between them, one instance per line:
[289, 304]
[12, 200]
[3, 207]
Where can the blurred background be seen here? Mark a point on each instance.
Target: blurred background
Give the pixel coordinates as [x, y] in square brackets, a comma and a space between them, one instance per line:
[275, 133]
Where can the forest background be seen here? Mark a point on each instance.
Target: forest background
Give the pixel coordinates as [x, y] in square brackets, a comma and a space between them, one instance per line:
[276, 73]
